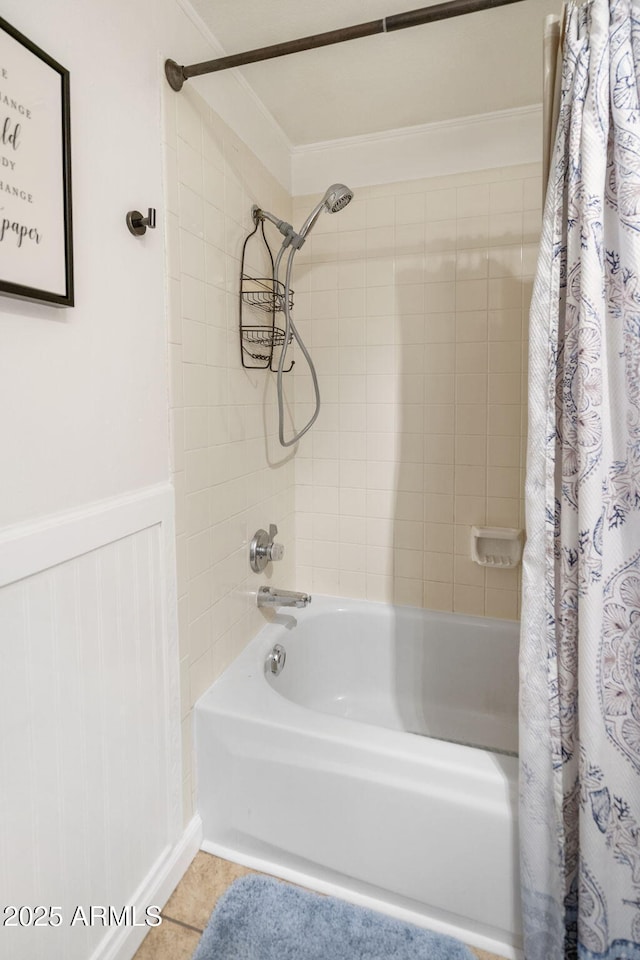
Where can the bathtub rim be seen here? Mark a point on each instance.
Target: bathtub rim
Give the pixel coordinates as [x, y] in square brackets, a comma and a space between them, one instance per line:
[324, 602]
[269, 705]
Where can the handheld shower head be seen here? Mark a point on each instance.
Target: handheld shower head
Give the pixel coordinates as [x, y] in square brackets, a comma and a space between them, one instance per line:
[336, 198]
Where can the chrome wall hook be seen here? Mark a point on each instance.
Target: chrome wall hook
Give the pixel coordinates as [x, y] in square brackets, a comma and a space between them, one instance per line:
[138, 224]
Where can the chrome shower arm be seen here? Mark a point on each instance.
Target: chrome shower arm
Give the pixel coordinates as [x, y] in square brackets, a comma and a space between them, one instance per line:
[286, 229]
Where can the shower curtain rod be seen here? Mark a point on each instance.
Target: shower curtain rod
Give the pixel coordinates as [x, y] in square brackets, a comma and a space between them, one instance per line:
[176, 74]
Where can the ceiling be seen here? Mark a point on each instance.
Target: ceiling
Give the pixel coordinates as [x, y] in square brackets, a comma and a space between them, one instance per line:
[459, 67]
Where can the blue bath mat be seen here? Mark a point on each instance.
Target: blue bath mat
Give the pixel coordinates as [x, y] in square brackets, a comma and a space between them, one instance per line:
[263, 919]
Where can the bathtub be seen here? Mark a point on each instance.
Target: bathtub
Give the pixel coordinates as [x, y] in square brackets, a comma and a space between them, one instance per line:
[378, 766]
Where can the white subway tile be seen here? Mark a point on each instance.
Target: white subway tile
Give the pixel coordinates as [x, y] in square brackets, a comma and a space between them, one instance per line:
[381, 417]
[502, 604]
[352, 557]
[440, 327]
[379, 211]
[195, 429]
[439, 298]
[190, 166]
[191, 255]
[505, 228]
[470, 449]
[380, 241]
[439, 236]
[468, 600]
[188, 122]
[438, 596]
[471, 418]
[472, 232]
[410, 268]
[471, 295]
[472, 264]
[410, 208]
[353, 530]
[471, 388]
[439, 508]
[191, 211]
[352, 502]
[353, 584]
[438, 567]
[440, 204]
[506, 196]
[504, 388]
[410, 238]
[504, 419]
[473, 201]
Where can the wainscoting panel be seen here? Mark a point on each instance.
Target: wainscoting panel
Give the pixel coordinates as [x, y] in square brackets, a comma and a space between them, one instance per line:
[89, 748]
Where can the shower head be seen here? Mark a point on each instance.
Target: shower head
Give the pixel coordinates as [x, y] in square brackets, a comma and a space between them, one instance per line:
[336, 198]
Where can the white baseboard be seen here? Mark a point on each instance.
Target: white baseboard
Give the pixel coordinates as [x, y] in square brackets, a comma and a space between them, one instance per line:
[121, 943]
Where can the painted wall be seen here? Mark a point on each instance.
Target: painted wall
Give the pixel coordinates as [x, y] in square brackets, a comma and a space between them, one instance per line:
[417, 296]
[86, 387]
[230, 474]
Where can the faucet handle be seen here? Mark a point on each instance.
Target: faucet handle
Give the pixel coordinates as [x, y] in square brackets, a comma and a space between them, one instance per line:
[263, 549]
[275, 551]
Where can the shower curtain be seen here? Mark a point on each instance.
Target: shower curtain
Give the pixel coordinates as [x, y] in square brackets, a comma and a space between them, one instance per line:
[580, 643]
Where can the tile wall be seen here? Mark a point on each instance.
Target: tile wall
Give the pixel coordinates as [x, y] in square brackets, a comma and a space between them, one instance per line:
[414, 301]
[231, 477]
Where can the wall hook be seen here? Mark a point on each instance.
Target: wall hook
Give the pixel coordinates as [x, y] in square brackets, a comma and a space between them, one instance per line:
[138, 224]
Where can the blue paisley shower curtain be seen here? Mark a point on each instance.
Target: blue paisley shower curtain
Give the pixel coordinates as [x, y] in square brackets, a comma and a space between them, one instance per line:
[580, 649]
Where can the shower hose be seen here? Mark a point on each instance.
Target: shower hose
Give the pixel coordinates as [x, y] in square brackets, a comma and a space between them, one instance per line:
[291, 331]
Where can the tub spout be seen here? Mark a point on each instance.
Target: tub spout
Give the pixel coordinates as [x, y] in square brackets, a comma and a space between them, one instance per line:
[271, 597]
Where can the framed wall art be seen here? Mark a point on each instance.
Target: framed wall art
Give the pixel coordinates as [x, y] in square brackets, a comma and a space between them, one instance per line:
[36, 239]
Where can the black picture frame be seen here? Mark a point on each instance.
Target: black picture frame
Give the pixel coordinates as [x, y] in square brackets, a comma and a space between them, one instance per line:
[52, 280]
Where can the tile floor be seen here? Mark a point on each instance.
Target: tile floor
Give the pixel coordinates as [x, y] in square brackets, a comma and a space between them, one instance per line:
[189, 907]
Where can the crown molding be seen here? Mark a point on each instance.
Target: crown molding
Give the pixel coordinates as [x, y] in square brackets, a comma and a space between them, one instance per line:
[416, 130]
[484, 141]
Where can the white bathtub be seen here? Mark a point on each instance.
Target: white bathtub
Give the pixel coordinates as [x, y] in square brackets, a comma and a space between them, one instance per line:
[378, 766]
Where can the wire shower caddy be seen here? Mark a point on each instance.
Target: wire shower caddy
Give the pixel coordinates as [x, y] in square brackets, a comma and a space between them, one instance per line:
[260, 296]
